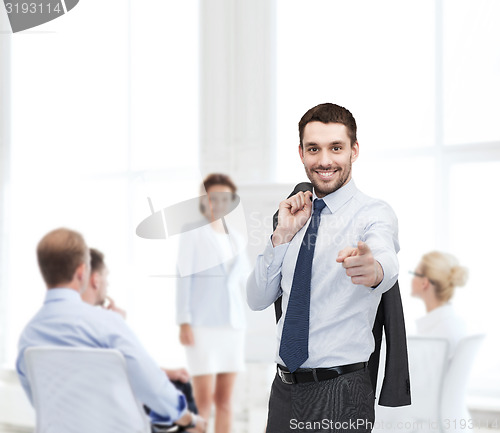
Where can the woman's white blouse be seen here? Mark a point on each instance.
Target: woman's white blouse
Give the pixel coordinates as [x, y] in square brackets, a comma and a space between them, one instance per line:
[213, 270]
[443, 322]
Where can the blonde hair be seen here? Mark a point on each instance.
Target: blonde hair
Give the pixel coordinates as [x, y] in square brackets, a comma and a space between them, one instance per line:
[444, 272]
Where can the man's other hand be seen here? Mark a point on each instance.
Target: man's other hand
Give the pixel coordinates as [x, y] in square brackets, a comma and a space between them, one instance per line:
[292, 215]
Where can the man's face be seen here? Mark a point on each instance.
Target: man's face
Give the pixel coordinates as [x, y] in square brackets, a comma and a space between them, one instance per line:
[101, 284]
[327, 156]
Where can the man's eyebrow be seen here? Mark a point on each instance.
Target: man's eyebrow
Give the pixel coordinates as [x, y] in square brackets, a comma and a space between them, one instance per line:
[333, 143]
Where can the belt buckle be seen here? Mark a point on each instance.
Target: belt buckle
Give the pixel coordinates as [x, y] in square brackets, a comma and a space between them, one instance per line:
[282, 374]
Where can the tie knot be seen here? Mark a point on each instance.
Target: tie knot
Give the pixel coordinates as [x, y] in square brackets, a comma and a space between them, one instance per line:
[319, 205]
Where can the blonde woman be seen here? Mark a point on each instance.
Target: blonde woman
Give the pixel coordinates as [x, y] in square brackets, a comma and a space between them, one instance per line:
[434, 281]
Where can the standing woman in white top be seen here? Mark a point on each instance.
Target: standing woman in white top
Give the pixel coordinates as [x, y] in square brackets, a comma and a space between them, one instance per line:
[434, 281]
[210, 309]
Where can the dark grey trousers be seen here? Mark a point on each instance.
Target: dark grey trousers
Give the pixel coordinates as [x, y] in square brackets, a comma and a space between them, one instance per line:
[340, 405]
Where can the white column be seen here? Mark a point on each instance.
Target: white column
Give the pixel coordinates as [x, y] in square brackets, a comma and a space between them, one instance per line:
[237, 124]
[5, 35]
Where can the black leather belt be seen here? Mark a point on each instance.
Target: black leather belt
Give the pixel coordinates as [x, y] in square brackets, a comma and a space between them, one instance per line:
[303, 375]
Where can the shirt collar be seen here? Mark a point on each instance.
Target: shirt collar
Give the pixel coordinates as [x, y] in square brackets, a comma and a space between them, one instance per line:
[335, 200]
[62, 294]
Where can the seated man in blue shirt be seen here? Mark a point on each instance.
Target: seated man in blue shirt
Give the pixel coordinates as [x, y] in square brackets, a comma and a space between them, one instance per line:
[65, 320]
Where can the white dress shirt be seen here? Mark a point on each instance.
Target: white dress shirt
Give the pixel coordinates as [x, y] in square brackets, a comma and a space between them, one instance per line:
[65, 320]
[341, 313]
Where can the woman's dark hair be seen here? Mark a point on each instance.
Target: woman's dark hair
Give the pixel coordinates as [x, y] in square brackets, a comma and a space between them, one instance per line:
[216, 179]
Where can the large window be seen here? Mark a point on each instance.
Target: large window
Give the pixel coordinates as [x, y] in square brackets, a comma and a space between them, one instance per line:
[104, 115]
[421, 78]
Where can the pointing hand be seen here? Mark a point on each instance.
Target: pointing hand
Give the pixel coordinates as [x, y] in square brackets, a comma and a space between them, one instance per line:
[360, 265]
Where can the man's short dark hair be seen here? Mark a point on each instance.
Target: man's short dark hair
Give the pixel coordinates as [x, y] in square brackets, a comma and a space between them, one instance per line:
[96, 260]
[59, 254]
[329, 113]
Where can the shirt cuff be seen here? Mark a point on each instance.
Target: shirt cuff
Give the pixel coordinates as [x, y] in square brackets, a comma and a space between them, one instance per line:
[182, 408]
[183, 318]
[390, 268]
[274, 256]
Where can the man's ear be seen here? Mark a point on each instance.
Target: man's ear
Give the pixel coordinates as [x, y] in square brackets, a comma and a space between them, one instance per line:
[93, 280]
[301, 153]
[354, 151]
[80, 272]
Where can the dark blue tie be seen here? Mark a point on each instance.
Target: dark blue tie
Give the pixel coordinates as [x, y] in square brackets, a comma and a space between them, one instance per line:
[294, 349]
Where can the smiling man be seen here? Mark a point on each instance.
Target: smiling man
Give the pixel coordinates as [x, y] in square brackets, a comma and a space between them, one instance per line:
[331, 257]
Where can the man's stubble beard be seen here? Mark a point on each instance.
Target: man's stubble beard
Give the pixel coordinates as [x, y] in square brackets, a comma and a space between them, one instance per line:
[337, 185]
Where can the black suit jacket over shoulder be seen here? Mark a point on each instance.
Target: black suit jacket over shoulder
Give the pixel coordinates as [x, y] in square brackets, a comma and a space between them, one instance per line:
[395, 390]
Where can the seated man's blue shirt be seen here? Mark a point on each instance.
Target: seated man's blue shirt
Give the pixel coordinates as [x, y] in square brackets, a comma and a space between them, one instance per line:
[65, 320]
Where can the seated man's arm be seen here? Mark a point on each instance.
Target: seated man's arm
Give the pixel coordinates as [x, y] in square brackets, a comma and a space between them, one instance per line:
[149, 383]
